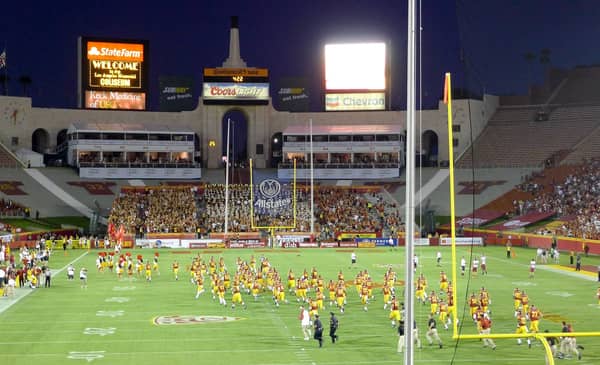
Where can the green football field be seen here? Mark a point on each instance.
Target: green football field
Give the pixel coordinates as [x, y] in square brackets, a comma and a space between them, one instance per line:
[112, 322]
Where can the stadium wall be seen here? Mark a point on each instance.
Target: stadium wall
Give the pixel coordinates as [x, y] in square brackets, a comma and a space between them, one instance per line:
[19, 122]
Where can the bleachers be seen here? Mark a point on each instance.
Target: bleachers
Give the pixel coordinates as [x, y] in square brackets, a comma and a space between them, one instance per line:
[581, 86]
[588, 148]
[520, 143]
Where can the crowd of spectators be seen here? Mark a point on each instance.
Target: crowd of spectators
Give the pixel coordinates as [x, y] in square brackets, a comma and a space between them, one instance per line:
[177, 209]
[161, 210]
[576, 199]
[9, 208]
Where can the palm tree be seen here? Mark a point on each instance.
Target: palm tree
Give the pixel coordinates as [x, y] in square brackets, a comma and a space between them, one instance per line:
[25, 81]
[529, 58]
[545, 57]
[4, 79]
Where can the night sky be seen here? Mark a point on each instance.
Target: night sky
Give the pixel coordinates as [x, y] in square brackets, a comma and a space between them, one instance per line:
[481, 42]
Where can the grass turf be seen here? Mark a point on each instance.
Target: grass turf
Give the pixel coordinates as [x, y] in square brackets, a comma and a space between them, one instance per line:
[67, 324]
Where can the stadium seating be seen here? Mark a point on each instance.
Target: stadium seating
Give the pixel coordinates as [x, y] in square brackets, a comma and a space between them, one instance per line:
[519, 142]
[180, 209]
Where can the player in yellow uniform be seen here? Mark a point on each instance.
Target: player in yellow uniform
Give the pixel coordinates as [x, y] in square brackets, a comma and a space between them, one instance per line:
[534, 316]
[473, 305]
[484, 299]
[522, 327]
[394, 312]
[255, 289]
[443, 310]
[175, 267]
[433, 303]
[319, 298]
[236, 297]
[364, 296]
[340, 297]
[387, 295]
[443, 282]
[524, 302]
[517, 300]
[148, 272]
[358, 280]
[291, 281]
[420, 291]
[301, 292]
[313, 308]
[221, 293]
[155, 264]
[199, 285]
[331, 289]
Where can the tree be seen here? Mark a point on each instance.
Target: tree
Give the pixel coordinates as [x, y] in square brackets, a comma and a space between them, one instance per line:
[4, 79]
[545, 57]
[530, 57]
[25, 81]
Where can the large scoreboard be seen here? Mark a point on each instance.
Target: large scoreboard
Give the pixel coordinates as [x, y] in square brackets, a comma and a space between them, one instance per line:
[242, 86]
[113, 73]
[355, 76]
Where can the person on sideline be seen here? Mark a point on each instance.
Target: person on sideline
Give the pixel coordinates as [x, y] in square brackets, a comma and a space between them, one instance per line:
[318, 327]
[304, 318]
[333, 326]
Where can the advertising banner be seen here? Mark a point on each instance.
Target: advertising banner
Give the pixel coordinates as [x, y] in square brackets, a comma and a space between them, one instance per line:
[272, 201]
[176, 93]
[158, 243]
[461, 241]
[289, 244]
[377, 241]
[202, 243]
[353, 235]
[293, 95]
[329, 244]
[341, 173]
[308, 245]
[113, 73]
[140, 173]
[235, 91]
[366, 244]
[354, 101]
[348, 244]
[115, 100]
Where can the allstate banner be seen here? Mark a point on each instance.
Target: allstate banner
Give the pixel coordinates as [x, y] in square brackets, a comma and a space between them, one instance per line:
[377, 241]
[272, 200]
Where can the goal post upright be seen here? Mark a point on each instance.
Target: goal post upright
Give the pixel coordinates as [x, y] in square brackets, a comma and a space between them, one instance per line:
[448, 102]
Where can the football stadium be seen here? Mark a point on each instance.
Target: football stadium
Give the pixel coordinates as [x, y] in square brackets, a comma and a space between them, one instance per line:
[237, 233]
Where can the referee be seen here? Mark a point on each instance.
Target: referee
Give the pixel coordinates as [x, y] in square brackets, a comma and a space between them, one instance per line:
[333, 326]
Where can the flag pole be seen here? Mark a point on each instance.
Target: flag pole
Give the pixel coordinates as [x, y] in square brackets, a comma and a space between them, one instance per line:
[312, 182]
[409, 300]
[227, 181]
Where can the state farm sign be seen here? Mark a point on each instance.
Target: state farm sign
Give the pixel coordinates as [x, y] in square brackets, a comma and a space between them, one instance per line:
[233, 91]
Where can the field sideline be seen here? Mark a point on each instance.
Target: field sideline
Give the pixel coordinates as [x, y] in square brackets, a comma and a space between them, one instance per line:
[113, 321]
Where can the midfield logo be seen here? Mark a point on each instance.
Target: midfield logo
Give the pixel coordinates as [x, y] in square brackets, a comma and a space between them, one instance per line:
[188, 319]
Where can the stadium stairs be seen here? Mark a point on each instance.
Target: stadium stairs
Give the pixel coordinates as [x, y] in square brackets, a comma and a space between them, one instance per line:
[61, 194]
[9, 159]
